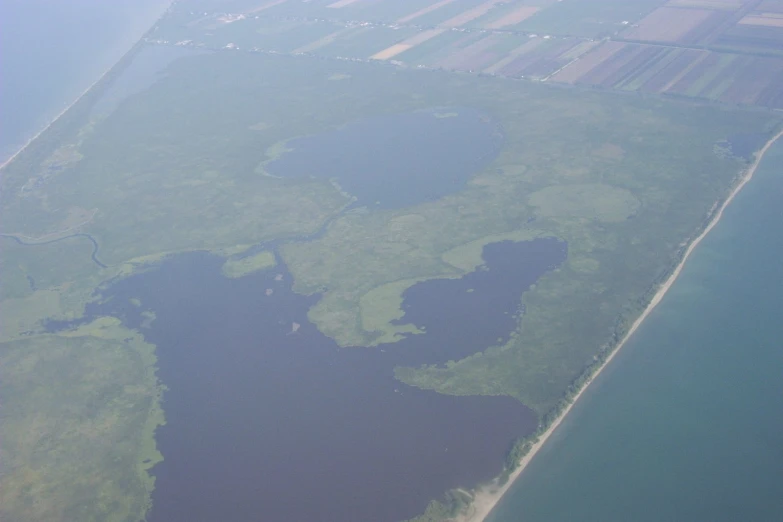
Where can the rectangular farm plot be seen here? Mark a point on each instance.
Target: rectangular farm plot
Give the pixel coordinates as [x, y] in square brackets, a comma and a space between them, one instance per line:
[265, 6]
[544, 59]
[683, 60]
[529, 45]
[721, 5]
[436, 48]
[361, 42]
[409, 43]
[448, 47]
[747, 37]
[474, 56]
[423, 11]
[269, 34]
[766, 19]
[378, 11]
[770, 6]
[749, 79]
[454, 13]
[591, 18]
[658, 67]
[520, 14]
[471, 14]
[391, 52]
[667, 24]
[342, 3]
[321, 42]
[624, 66]
[576, 70]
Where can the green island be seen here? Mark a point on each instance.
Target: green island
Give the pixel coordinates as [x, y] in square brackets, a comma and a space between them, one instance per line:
[625, 179]
[243, 266]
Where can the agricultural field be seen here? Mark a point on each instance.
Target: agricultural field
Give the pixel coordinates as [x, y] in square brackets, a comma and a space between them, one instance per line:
[594, 19]
[726, 51]
[678, 25]
[748, 26]
[758, 31]
[724, 77]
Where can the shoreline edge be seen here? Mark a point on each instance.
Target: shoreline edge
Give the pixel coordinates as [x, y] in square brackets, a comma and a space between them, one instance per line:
[485, 499]
[100, 78]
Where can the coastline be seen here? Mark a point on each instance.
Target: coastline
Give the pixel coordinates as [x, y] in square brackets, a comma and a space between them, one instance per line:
[487, 498]
[60, 115]
[100, 78]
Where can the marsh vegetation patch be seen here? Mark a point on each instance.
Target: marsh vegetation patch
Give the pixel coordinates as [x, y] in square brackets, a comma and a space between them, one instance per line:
[586, 201]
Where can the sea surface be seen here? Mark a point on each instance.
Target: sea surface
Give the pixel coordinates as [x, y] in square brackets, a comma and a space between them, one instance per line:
[53, 50]
[686, 424]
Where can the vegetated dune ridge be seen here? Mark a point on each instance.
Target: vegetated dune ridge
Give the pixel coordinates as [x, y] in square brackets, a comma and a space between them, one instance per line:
[486, 499]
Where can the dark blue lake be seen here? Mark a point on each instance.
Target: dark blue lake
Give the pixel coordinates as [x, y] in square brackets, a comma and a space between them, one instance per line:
[268, 419]
[397, 160]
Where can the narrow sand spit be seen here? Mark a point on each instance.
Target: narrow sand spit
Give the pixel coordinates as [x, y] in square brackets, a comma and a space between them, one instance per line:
[101, 77]
[15, 154]
[487, 497]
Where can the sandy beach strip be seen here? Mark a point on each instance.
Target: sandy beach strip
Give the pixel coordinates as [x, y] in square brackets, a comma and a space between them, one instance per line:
[82, 95]
[487, 498]
[53, 120]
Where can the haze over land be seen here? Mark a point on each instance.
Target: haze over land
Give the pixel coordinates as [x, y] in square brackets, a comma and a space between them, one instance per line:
[351, 259]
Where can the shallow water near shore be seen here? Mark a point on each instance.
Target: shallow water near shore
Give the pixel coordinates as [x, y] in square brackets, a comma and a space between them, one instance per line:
[264, 414]
[687, 422]
[52, 50]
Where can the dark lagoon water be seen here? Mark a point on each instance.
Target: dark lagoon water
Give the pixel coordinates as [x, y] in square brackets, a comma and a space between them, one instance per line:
[268, 419]
[52, 50]
[397, 160]
[687, 423]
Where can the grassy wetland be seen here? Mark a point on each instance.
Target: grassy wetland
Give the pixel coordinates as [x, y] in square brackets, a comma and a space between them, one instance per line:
[183, 165]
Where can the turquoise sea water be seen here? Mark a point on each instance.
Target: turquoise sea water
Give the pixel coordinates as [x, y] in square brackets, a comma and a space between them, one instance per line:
[52, 50]
[687, 422]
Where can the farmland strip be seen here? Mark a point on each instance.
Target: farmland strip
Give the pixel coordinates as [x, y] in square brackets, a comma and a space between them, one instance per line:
[453, 60]
[513, 55]
[422, 12]
[342, 3]
[519, 15]
[403, 46]
[471, 14]
[266, 6]
[587, 63]
[678, 69]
